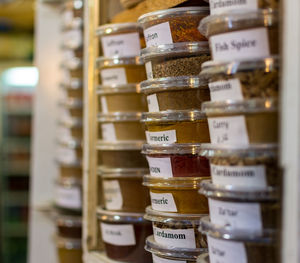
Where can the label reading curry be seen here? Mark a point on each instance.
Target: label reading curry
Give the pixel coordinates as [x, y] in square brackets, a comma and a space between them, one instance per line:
[163, 137]
[158, 35]
[163, 202]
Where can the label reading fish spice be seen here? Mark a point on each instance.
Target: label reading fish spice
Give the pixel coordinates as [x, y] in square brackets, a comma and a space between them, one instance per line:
[108, 132]
[250, 176]
[161, 137]
[158, 35]
[68, 197]
[157, 259]
[246, 44]
[112, 195]
[163, 202]
[183, 238]
[122, 45]
[152, 103]
[113, 76]
[119, 235]
[160, 167]
[225, 251]
[226, 90]
[228, 130]
[149, 71]
[222, 6]
[246, 216]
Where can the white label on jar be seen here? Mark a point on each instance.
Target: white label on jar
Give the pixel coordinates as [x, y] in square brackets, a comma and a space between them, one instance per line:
[226, 90]
[103, 104]
[250, 175]
[66, 155]
[152, 103]
[183, 238]
[112, 195]
[162, 137]
[222, 6]
[119, 235]
[108, 132]
[158, 35]
[157, 259]
[160, 167]
[122, 45]
[113, 76]
[246, 216]
[228, 130]
[225, 251]
[149, 71]
[246, 44]
[163, 202]
[68, 197]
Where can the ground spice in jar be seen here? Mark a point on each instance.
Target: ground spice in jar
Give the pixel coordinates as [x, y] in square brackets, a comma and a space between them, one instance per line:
[69, 250]
[175, 127]
[180, 93]
[242, 79]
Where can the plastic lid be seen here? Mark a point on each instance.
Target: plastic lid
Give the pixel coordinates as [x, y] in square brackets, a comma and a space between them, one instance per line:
[72, 103]
[170, 115]
[69, 182]
[113, 89]
[237, 106]
[120, 145]
[119, 116]
[176, 148]
[267, 64]
[108, 29]
[232, 233]
[103, 62]
[106, 172]
[239, 19]
[72, 64]
[173, 182]
[180, 11]
[71, 122]
[190, 254]
[68, 220]
[203, 258]
[68, 243]
[70, 164]
[71, 143]
[242, 194]
[182, 48]
[73, 84]
[119, 217]
[173, 83]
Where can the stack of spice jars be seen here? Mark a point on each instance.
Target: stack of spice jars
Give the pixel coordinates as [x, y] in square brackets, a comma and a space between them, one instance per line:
[244, 193]
[121, 136]
[175, 129]
[68, 199]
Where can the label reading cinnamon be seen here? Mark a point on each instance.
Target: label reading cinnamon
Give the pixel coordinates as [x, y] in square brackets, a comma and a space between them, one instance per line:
[149, 71]
[163, 202]
[122, 45]
[228, 130]
[246, 216]
[108, 132]
[157, 259]
[246, 44]
[119, 235]
[161, 137]
[112, 195]
[222, 6]
[226, 251]
[226, 90]
[158, 35]
[113, 76]
[68, 197]
[160, 167]
[152, 103]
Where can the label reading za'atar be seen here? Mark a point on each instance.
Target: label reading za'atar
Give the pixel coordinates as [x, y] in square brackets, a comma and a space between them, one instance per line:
[161, 137]
[226, 90]
[163, 202]
[228, 130]
[120, 235]
[158, 35]
[246, 44]
[221, 6]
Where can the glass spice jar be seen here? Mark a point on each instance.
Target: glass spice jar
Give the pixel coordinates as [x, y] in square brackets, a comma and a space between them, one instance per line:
[69, 226]
[74, 106]
[72, 88]
[69, 250]
[74, 125]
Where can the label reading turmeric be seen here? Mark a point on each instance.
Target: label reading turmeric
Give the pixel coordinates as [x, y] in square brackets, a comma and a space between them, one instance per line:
[163, 202]
[162, 137]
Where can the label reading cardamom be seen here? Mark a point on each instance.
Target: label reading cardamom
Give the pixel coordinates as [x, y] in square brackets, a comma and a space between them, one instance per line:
[113, 76]
[119, 235]
[112, 195]
[158, 35]
[157, 259]
[160, 167]
[222, 6]
[68, 197]
[152, 103]
[226, 90]
[228, 130]
[161, 137]
[121, 45]
[245, 44]
[163, 202]
[149, 71]
[108, 132]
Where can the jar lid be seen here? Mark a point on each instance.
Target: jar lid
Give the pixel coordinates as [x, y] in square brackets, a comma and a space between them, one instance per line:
[203, 258]
[108, 29]
[173, 182]
[268, 64]
[72, 103]
[234, 234]
[70, 143]
[71, 122]
[68, 243]
[116, 89]
[252, 150]
[72, 64]
[116, 217]
[119, 117]
[70, 164]
[173, 83]
[170, 115]
[68, 220]
[106, 172]
[189, 254]
[237, 106]
[72, 84]
[173, 12]
[69, 182]
[176, 49]
[176, 148]
[103, 62]
[239, 19]
[120, 145]
[239, 193]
